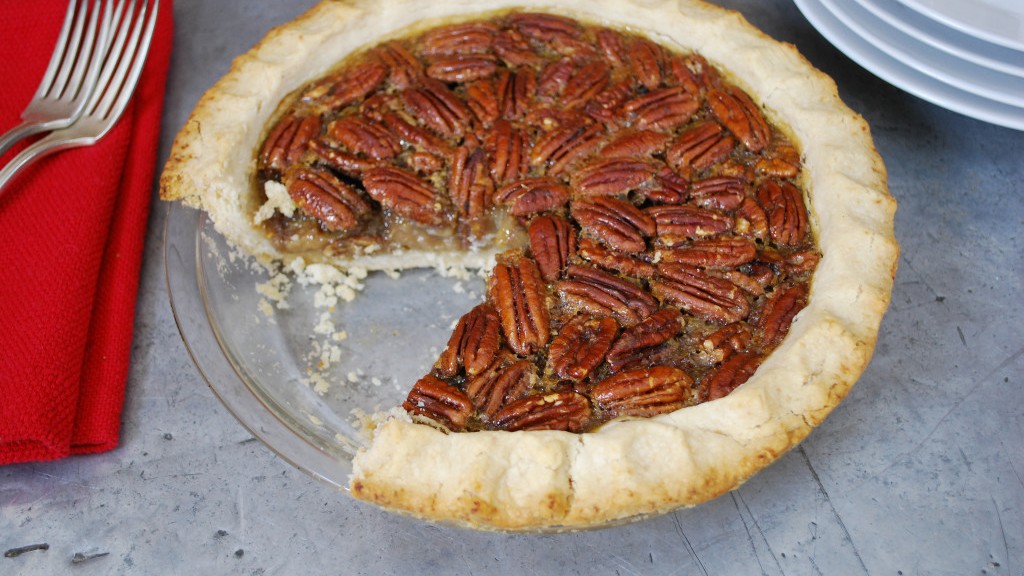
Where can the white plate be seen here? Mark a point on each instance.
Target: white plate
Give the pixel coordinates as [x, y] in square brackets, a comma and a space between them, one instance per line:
[956, 72]
[997, 21]
[947, 39]
[899, 74]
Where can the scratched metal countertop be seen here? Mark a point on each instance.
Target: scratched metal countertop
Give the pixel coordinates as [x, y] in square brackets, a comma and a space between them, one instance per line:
[919, 471]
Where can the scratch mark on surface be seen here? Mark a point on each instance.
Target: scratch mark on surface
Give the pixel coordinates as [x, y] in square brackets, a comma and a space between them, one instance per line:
[1012, 467]
[815, 566]
[964, 456]
[839, 519]
[737, 499]
[750, 537]
[927, 284]
[1002, 530]
[241, 512]
[624, 565]
[689, 547]
[963, 340]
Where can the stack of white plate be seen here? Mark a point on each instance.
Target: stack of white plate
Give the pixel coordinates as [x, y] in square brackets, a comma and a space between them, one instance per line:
[964, 55]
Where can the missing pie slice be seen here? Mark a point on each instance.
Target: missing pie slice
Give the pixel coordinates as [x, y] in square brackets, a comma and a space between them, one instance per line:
[691, 238]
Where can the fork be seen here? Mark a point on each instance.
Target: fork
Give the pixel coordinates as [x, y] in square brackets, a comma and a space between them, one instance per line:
[70, 76]
[121, 70]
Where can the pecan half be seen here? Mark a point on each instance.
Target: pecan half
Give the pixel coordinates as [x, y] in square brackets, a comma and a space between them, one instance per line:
[615, 222]
[668, 188]
[580, 346]
[750, 284]
[597, 253]
[364, 137]
[724, 342]
[507, 147]
[612, 46]
[424, 163]
[376, 105]
[544, 27]
[565, 144]
[464, 38]
[415, 135]
[516, 91]
[781, 160]
[635, 144]
[482, 99]
[553, 78]
[469, 183]
[605, 106]
[663, 109]
[699, 148]
[462, 67]
[439, 401]
[348, 87]
[344, 162]
[600, 293]
[721, 252]
[691, 72]
[437, 107]
[533, 195]
[403, 69]
[733, 372]
[518, 294]
[552, 243]
[677, 224]
[320, 194]
[645, 60]
[514, 49]
[778, 313]
[705, 296]
[473, 345]
[637, 341]
[494, 388]
[751, 221]
[609, 177]
[738, 113]
[720, 193]
[643, 393]
[405, 194]
[802, 262]
[784, 205]
[567, 411]
[585, 83]
[288, 141]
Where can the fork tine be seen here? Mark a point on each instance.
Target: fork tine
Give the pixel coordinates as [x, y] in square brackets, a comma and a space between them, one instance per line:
[121, 20]
[84, 74]
[121, 87]
[61, 49]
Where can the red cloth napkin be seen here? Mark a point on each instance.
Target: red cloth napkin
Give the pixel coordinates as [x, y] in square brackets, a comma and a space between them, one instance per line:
[72, 229]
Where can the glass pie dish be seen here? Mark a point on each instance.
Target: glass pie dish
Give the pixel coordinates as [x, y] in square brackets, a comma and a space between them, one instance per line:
[302, 371]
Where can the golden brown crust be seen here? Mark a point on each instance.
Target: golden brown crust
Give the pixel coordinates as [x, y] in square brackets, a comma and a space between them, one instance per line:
[626, 469]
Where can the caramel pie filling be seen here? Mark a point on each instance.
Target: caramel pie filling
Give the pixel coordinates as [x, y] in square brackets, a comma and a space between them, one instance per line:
[655, 238]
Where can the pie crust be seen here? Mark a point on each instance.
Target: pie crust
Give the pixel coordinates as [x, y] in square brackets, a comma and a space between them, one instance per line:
[549, 480]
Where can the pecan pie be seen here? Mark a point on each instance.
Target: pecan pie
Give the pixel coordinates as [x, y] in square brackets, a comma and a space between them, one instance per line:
[691, 238]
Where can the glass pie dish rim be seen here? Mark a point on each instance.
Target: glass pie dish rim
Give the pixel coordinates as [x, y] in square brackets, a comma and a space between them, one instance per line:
[222, 373]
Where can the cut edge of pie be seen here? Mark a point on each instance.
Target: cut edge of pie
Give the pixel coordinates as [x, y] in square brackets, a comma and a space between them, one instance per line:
[627, 468]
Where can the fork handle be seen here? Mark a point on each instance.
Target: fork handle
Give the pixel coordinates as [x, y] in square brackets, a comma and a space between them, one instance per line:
[31, 153]
[19, 133]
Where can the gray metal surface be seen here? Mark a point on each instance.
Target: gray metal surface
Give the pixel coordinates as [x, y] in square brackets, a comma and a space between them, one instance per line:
[919, 471]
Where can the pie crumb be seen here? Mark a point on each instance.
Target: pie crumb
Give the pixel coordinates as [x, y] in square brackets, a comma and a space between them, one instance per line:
[278, 200]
